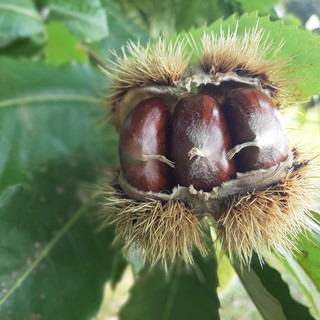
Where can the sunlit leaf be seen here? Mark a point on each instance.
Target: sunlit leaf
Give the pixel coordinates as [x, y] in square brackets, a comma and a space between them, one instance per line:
[270, 293]
[62, 46]
[298, 279]
[309, 257]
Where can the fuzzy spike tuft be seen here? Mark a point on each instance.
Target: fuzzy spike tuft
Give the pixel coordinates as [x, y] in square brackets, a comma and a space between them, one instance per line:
[159, 64]
[165, 232]
[272, 218]
[244, 58]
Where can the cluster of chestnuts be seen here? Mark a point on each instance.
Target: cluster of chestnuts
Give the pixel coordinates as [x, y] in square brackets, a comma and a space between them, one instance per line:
[204, 139]
[201, 142]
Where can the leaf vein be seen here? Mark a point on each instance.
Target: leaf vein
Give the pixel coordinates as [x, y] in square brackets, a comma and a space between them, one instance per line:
[24, 11]
[48, 98]
[44, 253]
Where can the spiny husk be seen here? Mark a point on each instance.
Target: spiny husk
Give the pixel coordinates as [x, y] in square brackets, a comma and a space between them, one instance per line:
[225, 61]
[252, 221]
[258, 220]
[165, 232]
[233, 57]
[139, 66]
[272, 218]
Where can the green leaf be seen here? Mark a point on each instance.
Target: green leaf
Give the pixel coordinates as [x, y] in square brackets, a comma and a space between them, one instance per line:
[18, 18]
[46, 113]
[183, 294]
[309, 258]
[62, 46]
[53, 262]
[24, 47]
[270, 293]
[198, 13]
[300, 48]
[252, 5]
[119, 267]
[122, 28]
[299, 281]
[86, 19]
[166, 17]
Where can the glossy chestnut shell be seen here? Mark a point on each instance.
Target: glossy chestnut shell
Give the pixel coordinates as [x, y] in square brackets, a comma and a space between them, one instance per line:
[256, 126]
[199, 143]
[144, 146]
[205, 142]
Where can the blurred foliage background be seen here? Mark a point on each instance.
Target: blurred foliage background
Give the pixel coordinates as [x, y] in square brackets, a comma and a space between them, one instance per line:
[55, 143]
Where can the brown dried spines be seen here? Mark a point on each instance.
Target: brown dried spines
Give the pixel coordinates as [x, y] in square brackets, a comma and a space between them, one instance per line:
[165, 232]
[255, 220]
[154, 70]
[231, 60]
[269, 219]
[225, 62]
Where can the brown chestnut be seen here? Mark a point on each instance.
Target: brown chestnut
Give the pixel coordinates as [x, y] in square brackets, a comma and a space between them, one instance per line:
[257, 129]
[199, 143]
[144, 144]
